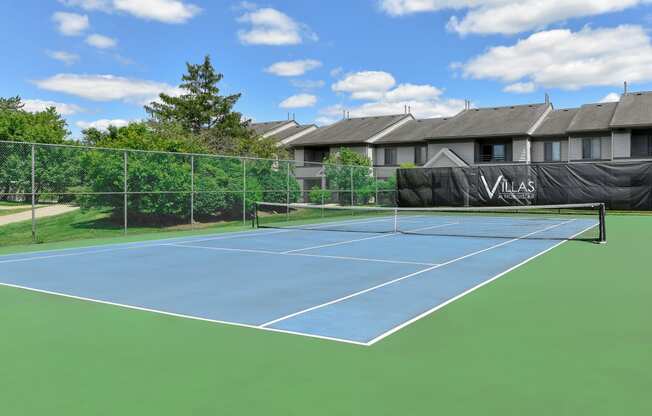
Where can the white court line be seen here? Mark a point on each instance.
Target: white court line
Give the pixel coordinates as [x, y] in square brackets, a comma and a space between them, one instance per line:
[277, 253]
[486, 282]
[155, 243]
[273, 330]
[178, 315]
[291, 229]
[121, 246]
[420, 272]
[368, 238]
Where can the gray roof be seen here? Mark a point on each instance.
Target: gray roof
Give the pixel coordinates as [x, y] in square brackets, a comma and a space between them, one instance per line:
[349, 131]
[634, 110]
[509, 121]
[262, 128]
[290, 131]
[592, 118]
[556, 123]
[413, 131]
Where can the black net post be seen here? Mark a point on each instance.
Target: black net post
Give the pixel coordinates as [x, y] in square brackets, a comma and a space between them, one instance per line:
[254, 219]
[603, 224]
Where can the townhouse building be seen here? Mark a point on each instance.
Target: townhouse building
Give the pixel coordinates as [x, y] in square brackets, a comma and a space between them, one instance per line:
[518, 134]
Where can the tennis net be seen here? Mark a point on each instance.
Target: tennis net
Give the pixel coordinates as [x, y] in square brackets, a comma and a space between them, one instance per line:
[549, 222]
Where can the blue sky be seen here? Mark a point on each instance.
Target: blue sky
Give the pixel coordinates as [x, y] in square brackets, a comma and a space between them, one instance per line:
[98, 61]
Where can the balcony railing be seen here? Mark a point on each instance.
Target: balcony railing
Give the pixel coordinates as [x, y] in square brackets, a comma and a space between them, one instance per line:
[491, 158]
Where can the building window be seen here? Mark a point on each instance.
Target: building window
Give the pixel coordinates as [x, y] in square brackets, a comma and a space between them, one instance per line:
[390, 156]
[552, 151]
[642, 144]
[420, 155]
[315, 154]
[494, 152]
[591, 148]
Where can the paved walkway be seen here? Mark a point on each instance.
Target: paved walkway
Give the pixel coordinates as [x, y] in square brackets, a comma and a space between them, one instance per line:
[46, 211]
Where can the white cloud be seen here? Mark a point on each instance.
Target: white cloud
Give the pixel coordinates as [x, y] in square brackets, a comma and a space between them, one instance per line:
[569, 60]
[406, 92]
[612, 97]
[420, 109]
[307, 84]
[101, 41]
[35, 106]
[424, 101]
[107, 87]
[507, 16]
[299, 101]
[65, 57]
[335, 72]
[102, 124]
[166, 11]
[71, 24]
[520, 87]
[245, 5]
[293, 68]
[272, 27]
[365, 85]
[91, 5]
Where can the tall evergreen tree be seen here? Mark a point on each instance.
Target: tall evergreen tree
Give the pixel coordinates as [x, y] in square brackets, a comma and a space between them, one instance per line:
[11, 103]
[200, 107]
[205, 114]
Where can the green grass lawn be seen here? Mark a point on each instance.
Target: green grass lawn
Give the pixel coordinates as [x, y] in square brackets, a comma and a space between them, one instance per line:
[10, 207]
[567, 334]
[4, 212]
[93, 227]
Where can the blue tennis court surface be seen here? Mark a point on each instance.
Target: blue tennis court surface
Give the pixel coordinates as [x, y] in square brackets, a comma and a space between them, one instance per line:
[355, 287]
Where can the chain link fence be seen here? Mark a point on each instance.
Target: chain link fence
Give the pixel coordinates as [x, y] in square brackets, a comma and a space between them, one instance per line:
[54, 193]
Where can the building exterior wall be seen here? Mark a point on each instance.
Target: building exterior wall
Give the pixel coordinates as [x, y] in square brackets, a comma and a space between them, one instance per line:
[443, 162]
[521, 150]
[404, 154]
[575, 147]
[464, 149]
[384, 172]
[538, 149]
[298, 156]
[622, 142]
[606, 148]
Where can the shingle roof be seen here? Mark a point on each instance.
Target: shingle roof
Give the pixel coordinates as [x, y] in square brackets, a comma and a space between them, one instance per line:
[262, 128]
[349, 131]
[289, 132]
[413, 131]
[556, 123]
[634, 110]
[514, 120]
[592, 117]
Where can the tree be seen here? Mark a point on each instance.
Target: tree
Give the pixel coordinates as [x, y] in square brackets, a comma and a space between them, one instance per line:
[55, 169]
[11, 103]
[210, 117]
[200, 107]
[348, 171]
[160, 182]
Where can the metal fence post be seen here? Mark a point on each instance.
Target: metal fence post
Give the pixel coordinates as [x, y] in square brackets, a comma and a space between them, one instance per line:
[244, 191]
[125, 190]
[287, 199]
[352, 198]
[192, 191]
[33, 193]
[376, 185]
[324, 189]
